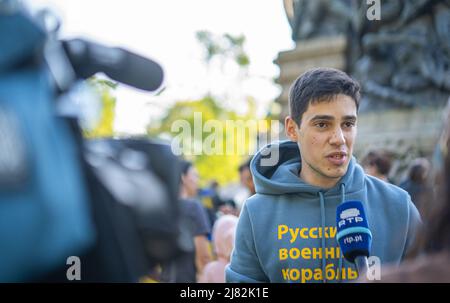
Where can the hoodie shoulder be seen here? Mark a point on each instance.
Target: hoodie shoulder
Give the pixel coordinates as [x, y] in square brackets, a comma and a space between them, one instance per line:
[388, 199]
[260, 201]
[388, 190]
[254, 199]
[394, 203]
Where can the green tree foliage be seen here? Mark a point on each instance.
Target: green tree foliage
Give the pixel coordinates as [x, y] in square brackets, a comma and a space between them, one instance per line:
[232, 138]
[105, 125]
[225, 46]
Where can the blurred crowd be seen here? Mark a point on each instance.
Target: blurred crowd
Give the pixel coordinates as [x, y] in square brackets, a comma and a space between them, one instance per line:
[378, 163]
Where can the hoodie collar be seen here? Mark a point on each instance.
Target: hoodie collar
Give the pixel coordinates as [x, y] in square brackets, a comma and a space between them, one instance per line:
[283, 177]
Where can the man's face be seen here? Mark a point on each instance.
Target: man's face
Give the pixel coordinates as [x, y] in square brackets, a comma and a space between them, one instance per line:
[247, 180]
[190, 182]
[326, 135]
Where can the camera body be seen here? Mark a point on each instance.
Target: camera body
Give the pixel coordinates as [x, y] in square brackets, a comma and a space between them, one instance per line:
[111, 202]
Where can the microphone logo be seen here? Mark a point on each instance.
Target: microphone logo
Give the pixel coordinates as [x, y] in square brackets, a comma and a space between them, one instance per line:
[350, 216]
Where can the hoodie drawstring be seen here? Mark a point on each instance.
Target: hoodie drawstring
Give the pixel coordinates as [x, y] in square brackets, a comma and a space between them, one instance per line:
[340, 252]
[322, 215]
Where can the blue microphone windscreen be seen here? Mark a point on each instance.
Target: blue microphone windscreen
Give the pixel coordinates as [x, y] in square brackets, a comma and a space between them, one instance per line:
[353, 233]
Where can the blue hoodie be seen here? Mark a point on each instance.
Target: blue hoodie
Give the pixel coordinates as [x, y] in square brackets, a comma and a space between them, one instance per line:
[286, 231]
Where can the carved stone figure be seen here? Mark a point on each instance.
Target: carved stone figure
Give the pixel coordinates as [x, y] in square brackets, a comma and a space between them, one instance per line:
[402, 60]
[318, 18]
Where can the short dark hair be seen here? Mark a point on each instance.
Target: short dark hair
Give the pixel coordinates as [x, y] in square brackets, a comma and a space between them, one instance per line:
[382, 160]
[320, 84]
[419, 170]
[185, 165]
[245, 165]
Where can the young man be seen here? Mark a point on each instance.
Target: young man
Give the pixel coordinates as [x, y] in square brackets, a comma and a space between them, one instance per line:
[286, 232]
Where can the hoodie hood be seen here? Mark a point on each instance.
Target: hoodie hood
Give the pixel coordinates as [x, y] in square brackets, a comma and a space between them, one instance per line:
[283, 177]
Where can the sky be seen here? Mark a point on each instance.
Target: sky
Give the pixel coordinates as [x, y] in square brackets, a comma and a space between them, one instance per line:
[165, 30]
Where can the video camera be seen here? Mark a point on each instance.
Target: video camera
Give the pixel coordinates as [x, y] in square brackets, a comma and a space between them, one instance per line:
[111, 202]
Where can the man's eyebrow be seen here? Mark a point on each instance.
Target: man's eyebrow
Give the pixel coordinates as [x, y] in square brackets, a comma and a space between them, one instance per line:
[322, 117]
[349, 117]
[331, 118]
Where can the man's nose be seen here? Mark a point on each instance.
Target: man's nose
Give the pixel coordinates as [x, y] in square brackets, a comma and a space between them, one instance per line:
[337, 138]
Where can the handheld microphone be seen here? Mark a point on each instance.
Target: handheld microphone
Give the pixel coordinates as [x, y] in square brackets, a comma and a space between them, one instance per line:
[353, 234]
[88, 58]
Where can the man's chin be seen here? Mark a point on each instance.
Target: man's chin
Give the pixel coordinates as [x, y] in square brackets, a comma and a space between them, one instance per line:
[336, 172]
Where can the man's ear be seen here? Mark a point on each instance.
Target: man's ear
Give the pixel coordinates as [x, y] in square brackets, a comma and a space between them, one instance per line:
[291, 128]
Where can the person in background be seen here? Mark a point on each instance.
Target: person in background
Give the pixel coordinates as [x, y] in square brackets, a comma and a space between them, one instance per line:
[377, 164]
[228, 207]
[211, 200]
[416, 183]
[187, 267]
[223, 238]
[246, 177]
